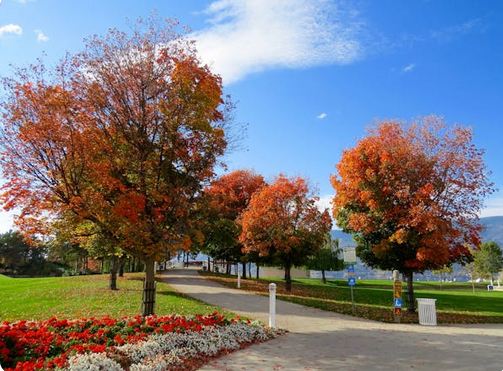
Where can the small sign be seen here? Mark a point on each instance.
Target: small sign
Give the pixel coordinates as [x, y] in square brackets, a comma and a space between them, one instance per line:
[351, 281]
[397, 311]
[349, 255]
[397, 289]
[397, 303]
[351, 269]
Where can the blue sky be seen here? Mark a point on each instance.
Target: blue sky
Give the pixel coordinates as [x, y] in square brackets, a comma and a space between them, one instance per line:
[309, 76]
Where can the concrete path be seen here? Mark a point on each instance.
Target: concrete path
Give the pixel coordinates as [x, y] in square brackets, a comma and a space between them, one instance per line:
[320, 340]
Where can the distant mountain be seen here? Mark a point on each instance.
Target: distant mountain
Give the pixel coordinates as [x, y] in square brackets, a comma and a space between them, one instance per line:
[492, 231]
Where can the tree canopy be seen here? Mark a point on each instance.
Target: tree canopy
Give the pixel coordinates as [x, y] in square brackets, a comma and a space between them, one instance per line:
[411, 194]
[123, 135]
[227, 197]
[283, 222]
[488, 260]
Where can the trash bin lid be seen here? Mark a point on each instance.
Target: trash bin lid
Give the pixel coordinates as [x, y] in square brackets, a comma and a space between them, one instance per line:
[426, 301]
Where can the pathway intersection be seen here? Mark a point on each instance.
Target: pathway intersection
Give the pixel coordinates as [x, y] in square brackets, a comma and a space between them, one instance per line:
[321, 340]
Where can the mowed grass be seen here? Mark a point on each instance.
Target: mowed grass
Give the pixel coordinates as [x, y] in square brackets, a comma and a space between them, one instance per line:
[451, 297]
[87, 296]
[455, 301]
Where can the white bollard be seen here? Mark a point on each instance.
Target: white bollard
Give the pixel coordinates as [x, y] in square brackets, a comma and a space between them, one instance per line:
[272, 305]
[239, 276]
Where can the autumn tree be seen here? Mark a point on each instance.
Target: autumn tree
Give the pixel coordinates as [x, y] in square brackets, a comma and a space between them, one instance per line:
[327, 258]
[410, 195]
[283, 223]
[228, 196]
[488, 260]
[123, 135]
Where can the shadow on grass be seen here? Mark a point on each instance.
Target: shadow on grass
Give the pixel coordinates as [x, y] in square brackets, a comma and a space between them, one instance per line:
[375, 304]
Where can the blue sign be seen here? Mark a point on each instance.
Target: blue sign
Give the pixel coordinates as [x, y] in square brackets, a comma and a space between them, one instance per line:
[351, 281]
[351, 269]
[397, 302]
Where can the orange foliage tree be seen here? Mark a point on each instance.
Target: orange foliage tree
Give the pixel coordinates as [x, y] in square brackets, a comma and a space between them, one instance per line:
[282, 222]
[123, 135]
[228, 197]
[410, 195]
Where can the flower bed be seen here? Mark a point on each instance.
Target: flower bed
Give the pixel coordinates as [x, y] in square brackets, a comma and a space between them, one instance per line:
[152, 343]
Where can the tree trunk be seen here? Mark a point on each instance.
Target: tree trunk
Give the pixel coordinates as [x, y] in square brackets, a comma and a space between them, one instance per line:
[114, 265]
[288, 278]
[249, 270]
[258, 270]
[243, 276]
[228, 268]
[102, 265]
[149, 288]
[122, 262]
[410, 293]
[209, 264]
[323, 278]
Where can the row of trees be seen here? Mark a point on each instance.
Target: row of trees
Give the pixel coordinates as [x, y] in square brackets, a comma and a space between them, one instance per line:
[116, 146]
[277, 223]
[56, 258]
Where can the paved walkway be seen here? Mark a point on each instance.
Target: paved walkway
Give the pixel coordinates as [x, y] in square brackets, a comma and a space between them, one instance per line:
[320, 340]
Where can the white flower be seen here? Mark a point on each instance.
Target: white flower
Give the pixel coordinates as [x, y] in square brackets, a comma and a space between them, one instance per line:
[162, 351]
[93, 362]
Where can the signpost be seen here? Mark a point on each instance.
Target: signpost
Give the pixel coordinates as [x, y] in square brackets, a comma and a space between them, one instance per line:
[272, 305]
[239, 276]
[349, 254]
[397, 296]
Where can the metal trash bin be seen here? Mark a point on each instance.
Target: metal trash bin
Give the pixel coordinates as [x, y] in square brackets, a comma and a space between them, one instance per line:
[427, 312]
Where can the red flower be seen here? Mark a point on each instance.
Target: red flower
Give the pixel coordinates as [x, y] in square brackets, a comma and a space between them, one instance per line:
[26, 345]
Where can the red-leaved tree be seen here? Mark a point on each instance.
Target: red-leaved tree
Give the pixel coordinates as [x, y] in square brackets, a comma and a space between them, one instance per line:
[410, 195]
[228, 196]
[123, 135]
[283, 223]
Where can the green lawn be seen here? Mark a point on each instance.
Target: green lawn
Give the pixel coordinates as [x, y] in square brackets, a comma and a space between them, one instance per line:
[455, 301]
[86, 296]
[452, 297]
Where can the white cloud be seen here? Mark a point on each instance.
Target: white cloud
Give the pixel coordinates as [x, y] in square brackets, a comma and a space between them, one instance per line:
[325, 202]
[408, 68]
[493, 207]
[11, 28]
[255, 35]
[447, 34]
[41, 37]
[322, 115]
